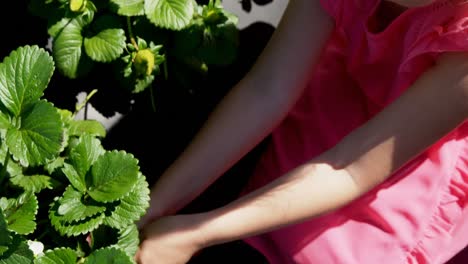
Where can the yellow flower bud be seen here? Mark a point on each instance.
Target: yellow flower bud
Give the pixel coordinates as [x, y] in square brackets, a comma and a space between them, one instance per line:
[212, 17]
[77, 5]
[144, 62]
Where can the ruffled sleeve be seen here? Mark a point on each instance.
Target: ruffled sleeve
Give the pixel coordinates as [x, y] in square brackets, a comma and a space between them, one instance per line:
[445, 29]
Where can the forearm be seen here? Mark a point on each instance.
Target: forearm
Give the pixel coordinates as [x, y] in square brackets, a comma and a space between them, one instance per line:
[362, 160]
[308, 191]
[251, 109]
[226, 136]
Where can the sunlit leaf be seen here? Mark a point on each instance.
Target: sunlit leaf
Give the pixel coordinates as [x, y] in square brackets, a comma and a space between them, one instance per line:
[39, 138]
[171, 14]
[82, 155]
[74, 207]
[68, 47]
[20, 213]
[24, 75]
[108, 255]
[93, 127]
[58, 256]
[73, 228]
[5, 236]
[34, 183]
[112, 176]
[105, 46]
[132, 207]
[129, 240]
[129, 7]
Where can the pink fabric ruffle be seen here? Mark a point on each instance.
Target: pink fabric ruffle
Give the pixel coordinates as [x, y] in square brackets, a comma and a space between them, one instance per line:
[441, 240]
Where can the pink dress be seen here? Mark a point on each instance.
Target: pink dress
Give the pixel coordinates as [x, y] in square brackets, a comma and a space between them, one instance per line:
[420, 214]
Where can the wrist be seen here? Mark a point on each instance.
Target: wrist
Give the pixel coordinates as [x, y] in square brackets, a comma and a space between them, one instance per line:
[194, 228]
[210, 231]
[199, 229]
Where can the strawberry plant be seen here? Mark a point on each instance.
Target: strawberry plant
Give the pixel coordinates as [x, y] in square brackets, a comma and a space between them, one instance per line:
[63, 197]
[141, 40]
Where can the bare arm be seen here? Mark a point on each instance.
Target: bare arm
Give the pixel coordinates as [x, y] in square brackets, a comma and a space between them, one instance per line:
[368, 155]
[250, 110]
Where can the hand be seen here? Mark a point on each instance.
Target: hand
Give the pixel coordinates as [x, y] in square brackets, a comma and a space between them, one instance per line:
[169, 240]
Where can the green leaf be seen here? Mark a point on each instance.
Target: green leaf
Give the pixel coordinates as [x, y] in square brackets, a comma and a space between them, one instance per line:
[112, 176]
[5, 236]
[129, 240]
[24, 75]
[74, 207]
[108, 255]
[87, 150]
[74, 228]
[81, 157]
[58, 256]
[3, 249]
[66, 115]
[93, 127]
[129, 7]
[67, 47]
[142, 84]
[132, 207]
[40, 137]
[74, 177]
[20, 213]
[16, 259]
[54, 165]
[170, 14]
[13, 168]
[106, 46]
[5, 122]
[187, 41]
[34, 183]
[220, 46]
[18, 252]
[58, 26]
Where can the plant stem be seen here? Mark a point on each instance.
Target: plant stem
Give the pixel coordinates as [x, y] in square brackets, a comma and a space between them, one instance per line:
[130, 33]
[85, 114]
[80, 106]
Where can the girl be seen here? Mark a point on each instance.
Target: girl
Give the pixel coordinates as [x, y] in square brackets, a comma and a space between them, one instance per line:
[366, 102]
